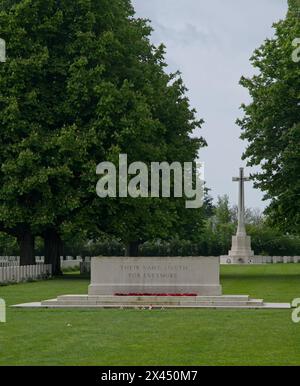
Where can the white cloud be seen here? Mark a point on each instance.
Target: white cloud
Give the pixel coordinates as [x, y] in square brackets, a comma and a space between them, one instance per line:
[211, 42]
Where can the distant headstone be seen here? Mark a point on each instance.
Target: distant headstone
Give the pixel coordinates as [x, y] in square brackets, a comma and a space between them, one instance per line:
[2, 51]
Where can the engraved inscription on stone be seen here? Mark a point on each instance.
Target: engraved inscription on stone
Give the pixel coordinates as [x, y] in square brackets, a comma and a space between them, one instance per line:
[111, 275]
[153, 271]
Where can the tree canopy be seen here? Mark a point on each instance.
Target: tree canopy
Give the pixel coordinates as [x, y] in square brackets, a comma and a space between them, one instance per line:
[82, 83]
[271, 122]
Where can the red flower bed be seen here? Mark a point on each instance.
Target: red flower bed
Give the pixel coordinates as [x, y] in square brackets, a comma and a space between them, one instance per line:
[145, 294]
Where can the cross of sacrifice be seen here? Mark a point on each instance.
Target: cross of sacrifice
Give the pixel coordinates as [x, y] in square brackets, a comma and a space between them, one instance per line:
[241, 230]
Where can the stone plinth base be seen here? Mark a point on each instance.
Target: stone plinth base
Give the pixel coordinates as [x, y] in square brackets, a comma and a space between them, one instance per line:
[243, 259]
[241, 247]
[155, 275]
[108, 301]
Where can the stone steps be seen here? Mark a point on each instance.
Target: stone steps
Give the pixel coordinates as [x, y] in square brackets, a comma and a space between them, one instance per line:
[158, 307]
[125, 299]
[154, 301]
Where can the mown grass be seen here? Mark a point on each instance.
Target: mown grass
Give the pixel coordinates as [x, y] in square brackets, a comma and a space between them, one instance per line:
[156, 337]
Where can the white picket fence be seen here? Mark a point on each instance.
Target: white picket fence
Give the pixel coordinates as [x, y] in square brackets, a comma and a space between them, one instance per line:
[17, 274]
[70, 262]
[4, 264]
[9, 261]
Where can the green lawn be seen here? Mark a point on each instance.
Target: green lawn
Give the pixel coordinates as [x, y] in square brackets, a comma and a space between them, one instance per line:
[156, 337]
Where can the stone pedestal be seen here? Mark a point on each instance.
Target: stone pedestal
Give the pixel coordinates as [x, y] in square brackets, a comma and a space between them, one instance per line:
[155, 282]
[241, 248]
[243, 260]
[155, 275]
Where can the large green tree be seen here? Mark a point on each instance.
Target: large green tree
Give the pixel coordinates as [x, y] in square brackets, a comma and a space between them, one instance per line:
[271, 124]
[82, 83]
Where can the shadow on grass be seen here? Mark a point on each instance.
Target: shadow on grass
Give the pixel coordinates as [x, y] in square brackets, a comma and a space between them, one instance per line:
[72, 276]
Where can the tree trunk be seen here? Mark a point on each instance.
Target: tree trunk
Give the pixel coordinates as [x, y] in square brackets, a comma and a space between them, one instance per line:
[132, 249]
[53, 249]
[26, 244]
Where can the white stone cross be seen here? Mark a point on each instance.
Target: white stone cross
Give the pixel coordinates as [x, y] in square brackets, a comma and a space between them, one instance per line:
[241, 230]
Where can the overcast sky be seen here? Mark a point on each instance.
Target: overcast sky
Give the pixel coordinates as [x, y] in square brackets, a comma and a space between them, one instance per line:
[210, 42]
